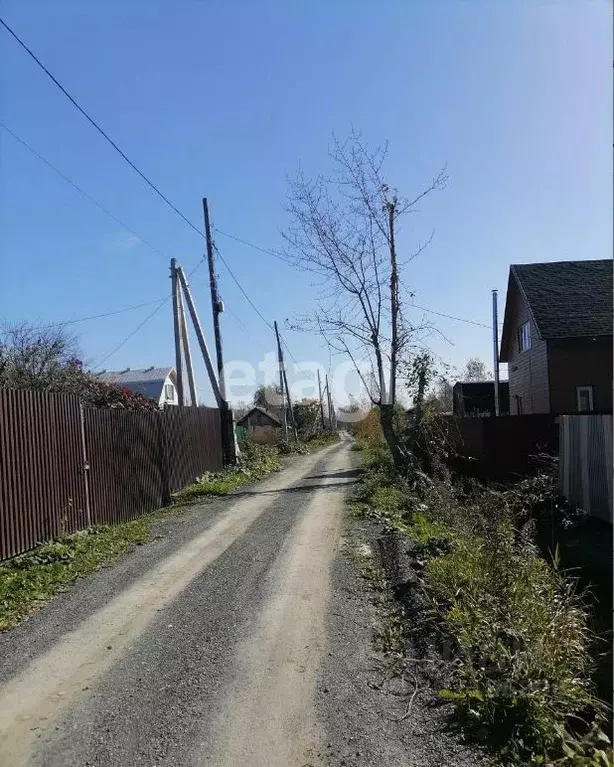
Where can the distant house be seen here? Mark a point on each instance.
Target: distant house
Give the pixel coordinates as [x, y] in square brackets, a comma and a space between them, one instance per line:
[477, 398]
[557, 337]
[260, 426]
[160, 384]
[258, 417]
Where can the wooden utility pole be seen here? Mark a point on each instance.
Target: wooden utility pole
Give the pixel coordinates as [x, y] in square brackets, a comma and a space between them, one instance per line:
[217, 307]
[286, 387]
[281, 382]
[200, 336]
[321, 402]
[290, 410]
[177, 331]
[186, 349]
[330, 406]
[329, 400]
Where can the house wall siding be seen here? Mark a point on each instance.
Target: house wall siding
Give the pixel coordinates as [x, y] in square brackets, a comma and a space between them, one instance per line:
[528, 370]
[580, 362]
[164, 400]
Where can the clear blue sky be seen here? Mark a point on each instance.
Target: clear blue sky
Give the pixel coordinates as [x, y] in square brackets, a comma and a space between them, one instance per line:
[225, 98]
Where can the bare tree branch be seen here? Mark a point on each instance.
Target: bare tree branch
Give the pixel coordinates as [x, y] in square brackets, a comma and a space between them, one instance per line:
[343, 228]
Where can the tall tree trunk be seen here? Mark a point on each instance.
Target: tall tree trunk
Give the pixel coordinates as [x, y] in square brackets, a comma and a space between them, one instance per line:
[394, 305]
[392, 440]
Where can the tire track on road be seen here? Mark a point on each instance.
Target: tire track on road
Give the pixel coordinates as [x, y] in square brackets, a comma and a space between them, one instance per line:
[32, 700]
[269, 718]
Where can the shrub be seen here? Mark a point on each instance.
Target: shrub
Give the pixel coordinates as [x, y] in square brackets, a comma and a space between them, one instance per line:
[369, 430]
[518, 627]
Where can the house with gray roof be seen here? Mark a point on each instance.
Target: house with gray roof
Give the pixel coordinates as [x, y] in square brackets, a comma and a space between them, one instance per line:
[557, 337]
[159, 384]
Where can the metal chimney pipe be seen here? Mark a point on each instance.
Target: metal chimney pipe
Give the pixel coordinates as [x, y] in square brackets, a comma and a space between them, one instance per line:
[495, 346]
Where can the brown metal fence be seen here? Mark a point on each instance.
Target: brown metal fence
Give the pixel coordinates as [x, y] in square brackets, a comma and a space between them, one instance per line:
[190, 452]
[42, 489]
[126, 459]
[136, 460]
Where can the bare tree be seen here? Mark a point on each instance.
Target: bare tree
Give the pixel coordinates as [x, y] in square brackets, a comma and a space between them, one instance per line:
[47, 359]
[475, 370]
[441, 398]
[344, 230]
[38, 358]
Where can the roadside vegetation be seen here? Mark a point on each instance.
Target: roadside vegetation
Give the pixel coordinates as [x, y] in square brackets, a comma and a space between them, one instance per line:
[255, 463]
[31, 579]
[509, 628]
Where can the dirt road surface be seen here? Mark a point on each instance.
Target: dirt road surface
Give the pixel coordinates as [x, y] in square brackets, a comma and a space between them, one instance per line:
[238, 636]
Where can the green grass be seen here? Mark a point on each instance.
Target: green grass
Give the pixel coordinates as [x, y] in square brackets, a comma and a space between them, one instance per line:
[256, 462]
[32, 578]
[321, 441]
[521, 681]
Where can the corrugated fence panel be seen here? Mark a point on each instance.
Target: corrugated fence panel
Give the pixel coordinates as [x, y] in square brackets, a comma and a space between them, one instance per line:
[585, 465]
[136, 460]
[193, 436]
[42, 489]
[125, 457]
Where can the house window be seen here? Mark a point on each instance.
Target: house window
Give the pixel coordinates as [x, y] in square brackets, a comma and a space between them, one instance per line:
[169, 391]
[584, 397]
[518, 405]
[524, 337]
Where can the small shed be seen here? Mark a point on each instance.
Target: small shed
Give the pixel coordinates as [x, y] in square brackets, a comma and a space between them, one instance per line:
[257, 416]
[477, 398]
[260, 425]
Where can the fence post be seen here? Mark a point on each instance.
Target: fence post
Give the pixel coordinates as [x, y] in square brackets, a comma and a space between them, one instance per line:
[165, 472]
[86, 466]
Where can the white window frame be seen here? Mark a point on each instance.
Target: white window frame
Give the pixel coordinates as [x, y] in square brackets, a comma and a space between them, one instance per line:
[170, 396]
[524, 337]
[591, 400]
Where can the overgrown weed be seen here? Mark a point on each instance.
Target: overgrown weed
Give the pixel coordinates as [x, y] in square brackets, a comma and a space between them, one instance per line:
[520, 678]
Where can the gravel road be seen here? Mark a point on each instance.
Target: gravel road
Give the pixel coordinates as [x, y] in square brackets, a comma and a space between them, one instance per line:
[217, 643]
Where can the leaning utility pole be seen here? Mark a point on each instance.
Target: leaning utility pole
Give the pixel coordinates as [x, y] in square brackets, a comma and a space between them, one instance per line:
[217, 308]
[186, 350]
[200, 336]
[280, 361]
[177, 331]
[286, 387]
[321, 402]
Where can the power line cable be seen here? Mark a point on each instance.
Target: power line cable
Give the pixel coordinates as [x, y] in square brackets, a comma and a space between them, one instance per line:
[238, 284]
[134, 332]
[91, 317]
[252, 245]
[137, 170]
[105, 210]
[450, 317]
[162, 196]
[93, 122]
[146, 320]
[81, 191]
[251, 303]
